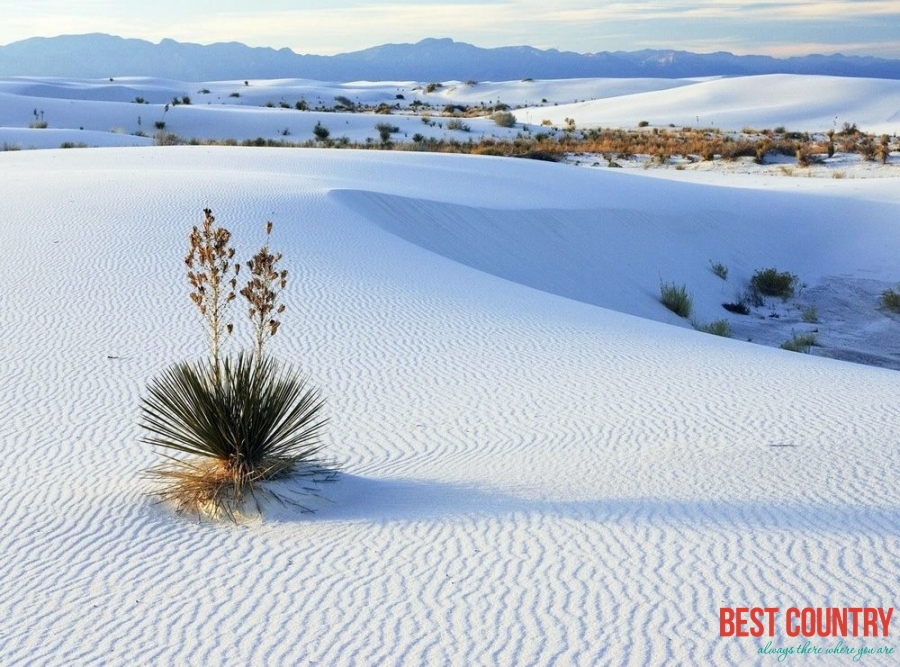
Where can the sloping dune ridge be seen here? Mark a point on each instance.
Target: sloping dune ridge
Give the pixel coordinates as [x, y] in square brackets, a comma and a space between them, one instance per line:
[530, 476]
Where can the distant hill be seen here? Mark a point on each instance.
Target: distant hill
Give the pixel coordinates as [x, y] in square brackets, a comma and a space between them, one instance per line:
[99, 56]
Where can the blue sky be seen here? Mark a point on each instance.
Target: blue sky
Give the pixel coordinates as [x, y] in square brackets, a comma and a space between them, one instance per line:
[773, 27]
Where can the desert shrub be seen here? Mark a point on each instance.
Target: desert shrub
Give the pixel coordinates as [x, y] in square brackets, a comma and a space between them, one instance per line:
[890, 300]
[800, 342]
[737, 307]
[139, 100]
[341, 102]
[38, 125]
[242, 420]
[716, 328]
[162, 138]
[185, 99]
[301, 105]
[809, 314]
[256, 422]
[676, 298]
[771, 282]
[159, 124]
[234, 94]
[385, 130]
[643, 123]
[504, 119]
[719, 269]
[431, 87]
[457, 124]
[72, 144]
[321, 132]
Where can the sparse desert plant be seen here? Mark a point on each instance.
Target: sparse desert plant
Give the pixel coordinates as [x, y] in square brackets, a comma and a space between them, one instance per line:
[433, 86]
[321, 132]
[716, 328]
[719, 269]
[890, 300]
[159, 124]
[504, 118]
[809, 314]
[737, 307]
[457, 124]
[676, 298]
[38, 123]
[771, 282]
[342, 102]
[800, 342]
[242, 420]
[385, 130]
[256, 422]
[162, 138]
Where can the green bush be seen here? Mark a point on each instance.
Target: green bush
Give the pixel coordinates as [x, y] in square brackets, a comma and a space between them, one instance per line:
[800, 342]
[716, 328]
[676, 298]
[719, 269]
[771, 282]
[810, 314]
[321, 132]
[890, 300]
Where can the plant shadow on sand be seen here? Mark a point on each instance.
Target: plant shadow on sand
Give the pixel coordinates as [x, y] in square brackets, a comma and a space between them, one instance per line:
[356, 498]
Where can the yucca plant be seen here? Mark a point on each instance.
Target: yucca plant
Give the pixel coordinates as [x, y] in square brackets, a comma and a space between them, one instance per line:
[242, 420]
[257, 422]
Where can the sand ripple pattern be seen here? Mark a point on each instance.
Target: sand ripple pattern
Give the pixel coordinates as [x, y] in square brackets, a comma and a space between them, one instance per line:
[529, 479]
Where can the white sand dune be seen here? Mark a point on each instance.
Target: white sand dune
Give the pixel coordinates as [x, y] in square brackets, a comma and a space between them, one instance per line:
[530, 476]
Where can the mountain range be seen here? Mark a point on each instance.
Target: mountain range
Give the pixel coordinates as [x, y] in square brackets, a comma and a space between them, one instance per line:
[100, 55]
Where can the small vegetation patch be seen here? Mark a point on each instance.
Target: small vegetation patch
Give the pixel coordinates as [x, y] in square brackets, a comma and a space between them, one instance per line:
[457, 124]
[716, 328]
[890, 300]
[321, 132]
[504, 118]
[719, 269]
[802, 342]
[676, 298]
[737, 307]
[771, 282]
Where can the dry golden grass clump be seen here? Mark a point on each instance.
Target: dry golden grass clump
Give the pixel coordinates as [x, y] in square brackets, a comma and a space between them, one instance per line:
[242, 420]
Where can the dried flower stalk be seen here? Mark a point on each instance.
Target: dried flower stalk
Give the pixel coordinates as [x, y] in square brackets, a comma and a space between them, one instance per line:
[262, 292]
[208, 262]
